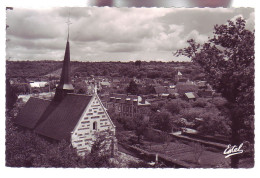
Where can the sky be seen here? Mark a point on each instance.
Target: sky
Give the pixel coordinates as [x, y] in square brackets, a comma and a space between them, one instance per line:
[112, 34]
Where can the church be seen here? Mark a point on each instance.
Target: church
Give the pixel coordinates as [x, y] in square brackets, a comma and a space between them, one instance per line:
[72, 117]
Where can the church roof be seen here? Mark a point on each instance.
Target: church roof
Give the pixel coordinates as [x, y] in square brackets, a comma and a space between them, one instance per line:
[31, 112]
[65, 80]
[61, 121]
[55, 120]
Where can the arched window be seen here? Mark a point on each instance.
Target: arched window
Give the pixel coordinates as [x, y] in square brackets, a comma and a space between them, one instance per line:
[95, 125]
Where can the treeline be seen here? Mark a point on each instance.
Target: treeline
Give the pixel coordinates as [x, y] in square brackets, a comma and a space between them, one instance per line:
[140, 69]
[25, 69]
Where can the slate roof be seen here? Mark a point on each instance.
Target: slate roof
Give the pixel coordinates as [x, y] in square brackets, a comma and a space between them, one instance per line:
[160, 90]
[61, 121]
[31, 112]
[185, 87]
[53, 119]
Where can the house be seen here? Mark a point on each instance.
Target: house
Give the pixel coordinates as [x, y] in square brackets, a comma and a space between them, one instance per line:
[178, 76]
[207, 93]
[190, 96]
[184, 87]
[105, 84]
[161, 91]
[126, 105]
[68, 116]
[38, 87]
[201, 84]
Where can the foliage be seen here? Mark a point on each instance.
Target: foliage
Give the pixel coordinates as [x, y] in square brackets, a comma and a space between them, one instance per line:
[200, 102]
[30, 68]
[140, 125]
[176, 105]
[191, 113]
[162, 121]
[80, 87]
[26, 149]
[11, 96]
[138, 63]
[228, 61]
[132, 88]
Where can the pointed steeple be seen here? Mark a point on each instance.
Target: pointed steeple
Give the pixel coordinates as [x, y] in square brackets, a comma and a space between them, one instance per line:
[65, 85]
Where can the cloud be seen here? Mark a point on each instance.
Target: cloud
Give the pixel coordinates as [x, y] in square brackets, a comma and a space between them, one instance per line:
[250, 22]
[111, 33]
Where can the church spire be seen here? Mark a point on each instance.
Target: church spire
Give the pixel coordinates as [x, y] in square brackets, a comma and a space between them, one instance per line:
[65, 85]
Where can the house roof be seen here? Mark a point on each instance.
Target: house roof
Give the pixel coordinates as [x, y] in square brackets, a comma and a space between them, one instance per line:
[186, 87]
[38, 84]
[160, 90]
[31, 112]
[62, 117]
[179, 73]
[190, 95]
[105, 83]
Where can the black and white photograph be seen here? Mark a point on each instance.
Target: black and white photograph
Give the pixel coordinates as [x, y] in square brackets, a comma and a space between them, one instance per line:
[130, 87]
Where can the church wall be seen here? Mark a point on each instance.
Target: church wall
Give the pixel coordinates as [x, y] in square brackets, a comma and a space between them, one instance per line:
[94, 119]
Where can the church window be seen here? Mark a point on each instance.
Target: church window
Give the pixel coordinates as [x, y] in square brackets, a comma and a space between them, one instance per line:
[94, 117]
[84, 122]
[94, 125]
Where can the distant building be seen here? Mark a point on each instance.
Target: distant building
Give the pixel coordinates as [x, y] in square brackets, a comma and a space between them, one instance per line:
[161, 91]
[105, 85]
[206, 93]
[178, 76]
[182, 88]
[38, 87]
[68, 116]
[201, 84]
[126, 105]
[190, 96]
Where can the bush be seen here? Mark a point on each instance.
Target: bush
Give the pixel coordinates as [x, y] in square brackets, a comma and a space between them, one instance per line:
[176, 105]
[200, 102]
[191, 113]
[162, 121]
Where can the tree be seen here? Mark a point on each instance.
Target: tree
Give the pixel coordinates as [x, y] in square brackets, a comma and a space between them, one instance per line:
[228, 62]
[140, 125]
[132, 88]
[162, 121]
[138, 63]
[11, 96]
